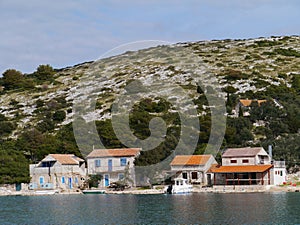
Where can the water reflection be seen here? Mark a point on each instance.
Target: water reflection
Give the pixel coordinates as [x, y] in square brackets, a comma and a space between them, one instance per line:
[202, 208]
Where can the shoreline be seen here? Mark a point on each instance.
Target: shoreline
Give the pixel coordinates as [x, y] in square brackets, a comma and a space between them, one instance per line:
[160, 190]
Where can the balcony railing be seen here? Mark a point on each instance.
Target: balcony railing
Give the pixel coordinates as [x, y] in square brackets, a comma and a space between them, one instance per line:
[279, 164]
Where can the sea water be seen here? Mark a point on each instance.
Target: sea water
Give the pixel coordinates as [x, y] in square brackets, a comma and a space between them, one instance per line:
[196, 208]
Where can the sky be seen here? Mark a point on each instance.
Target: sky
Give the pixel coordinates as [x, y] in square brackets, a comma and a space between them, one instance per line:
[68, 32]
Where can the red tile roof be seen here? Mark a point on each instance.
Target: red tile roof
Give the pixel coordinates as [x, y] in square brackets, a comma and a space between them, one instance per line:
[241, 152]
[212, 167]
[120, 152]
[65, 159]
[245, 102]
[190, 160]
[248, 102]
[242, 169]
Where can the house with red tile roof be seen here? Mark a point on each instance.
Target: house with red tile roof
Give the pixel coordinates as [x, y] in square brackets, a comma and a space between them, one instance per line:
[246, 166]
[245, 105]
[192, 167]
[58, 172]
[113, 165]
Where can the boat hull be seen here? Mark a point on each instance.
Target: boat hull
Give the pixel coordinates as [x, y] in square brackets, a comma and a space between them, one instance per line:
[87, 192]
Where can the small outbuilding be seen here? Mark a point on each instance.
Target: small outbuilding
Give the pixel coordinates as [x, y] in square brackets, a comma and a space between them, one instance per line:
[193, 167]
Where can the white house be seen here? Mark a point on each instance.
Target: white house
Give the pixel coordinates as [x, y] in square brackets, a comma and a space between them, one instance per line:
[113, 164]
[248, 166]
[280, 172]
[193, 167]
[245, 156]
[59, 172]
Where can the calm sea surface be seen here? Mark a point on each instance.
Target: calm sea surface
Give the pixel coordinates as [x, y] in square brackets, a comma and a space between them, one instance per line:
[202, 208]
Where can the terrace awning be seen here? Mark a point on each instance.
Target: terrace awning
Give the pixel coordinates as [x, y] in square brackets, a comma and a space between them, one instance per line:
[242, 169]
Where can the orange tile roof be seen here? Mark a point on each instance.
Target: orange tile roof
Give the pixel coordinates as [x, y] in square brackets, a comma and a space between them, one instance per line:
[245, 102]
[213, 167]
[242, 169]
[120, 152]
[190, 160]
[66, 159]
[261, 101]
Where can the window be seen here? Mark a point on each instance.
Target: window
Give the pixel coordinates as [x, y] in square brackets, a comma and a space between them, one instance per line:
[63, 180]
[245, 161]
[123, 161]
[110, 165]
[233, 161]
[76, 180]
[280, 173]
[97, 163]
[184, 175]
[121, 176]
[194, 175]
[41, 180]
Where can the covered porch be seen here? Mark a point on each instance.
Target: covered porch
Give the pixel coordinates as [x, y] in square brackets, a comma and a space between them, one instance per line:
[242, 175]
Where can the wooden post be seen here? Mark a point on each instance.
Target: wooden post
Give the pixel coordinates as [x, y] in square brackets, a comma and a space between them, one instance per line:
[262, 178]
[269, 182]
[215, 178]
[250, 181]
[226, 178]
[233, 182]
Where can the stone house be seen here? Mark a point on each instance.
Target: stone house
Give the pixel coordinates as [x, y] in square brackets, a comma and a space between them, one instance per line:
[193, 167]
[113, 165]
[58, 172]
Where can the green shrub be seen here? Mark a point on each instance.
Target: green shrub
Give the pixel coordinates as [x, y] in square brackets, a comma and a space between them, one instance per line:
[59, 116]
[44, 73]
[6, 128]
[231, 74]
[267, 43]
[287, 52]
[94, 180]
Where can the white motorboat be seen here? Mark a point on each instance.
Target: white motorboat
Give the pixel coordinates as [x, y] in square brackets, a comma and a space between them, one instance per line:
[180, 186]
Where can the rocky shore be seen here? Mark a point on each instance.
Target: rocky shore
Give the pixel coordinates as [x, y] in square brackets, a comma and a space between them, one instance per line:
[160, 190]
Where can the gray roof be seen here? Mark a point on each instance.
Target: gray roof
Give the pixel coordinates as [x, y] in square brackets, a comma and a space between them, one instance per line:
[241, 152]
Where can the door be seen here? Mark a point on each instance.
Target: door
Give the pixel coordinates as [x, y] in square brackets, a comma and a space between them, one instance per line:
[70, 183]
[18, 186]
[41, 180]
[106, 180]
[209, 183]
[110, 165]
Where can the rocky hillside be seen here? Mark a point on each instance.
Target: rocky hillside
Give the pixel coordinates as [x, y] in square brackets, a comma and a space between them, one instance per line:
[179, 82]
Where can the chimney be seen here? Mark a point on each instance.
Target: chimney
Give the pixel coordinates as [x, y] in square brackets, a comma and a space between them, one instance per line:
[270, 152]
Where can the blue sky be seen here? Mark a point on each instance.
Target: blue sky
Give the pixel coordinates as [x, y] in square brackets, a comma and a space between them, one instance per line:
[64, 33]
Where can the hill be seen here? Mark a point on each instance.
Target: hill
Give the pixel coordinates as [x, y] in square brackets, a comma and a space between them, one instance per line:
[184, 84]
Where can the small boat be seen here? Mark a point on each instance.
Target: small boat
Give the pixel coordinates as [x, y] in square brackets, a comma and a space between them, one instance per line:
[180, 186]
[94, 191]
[46, 192]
